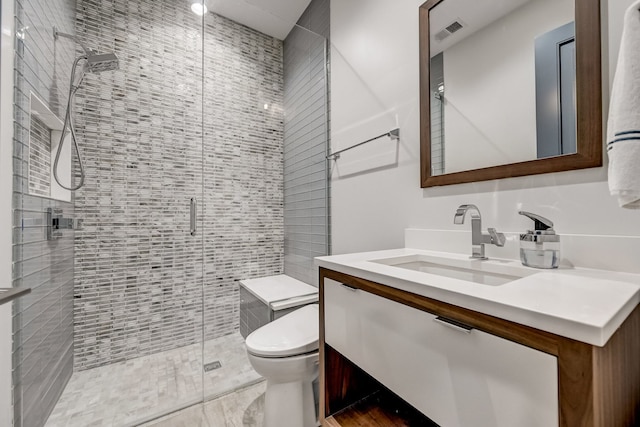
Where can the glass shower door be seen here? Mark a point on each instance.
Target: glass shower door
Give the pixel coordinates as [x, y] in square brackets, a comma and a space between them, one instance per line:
[140, 230]
[265, 104]
[111, 334]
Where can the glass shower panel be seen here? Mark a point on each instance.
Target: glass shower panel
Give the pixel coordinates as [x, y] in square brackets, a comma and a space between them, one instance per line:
[242, 186]
[42, 349]
[112, 332]
[306, 136]
[248, 76]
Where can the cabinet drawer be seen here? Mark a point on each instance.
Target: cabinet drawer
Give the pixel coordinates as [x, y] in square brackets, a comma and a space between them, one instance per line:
[455, 377]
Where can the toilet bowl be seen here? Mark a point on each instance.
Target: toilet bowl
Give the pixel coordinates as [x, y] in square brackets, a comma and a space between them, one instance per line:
[285, 352]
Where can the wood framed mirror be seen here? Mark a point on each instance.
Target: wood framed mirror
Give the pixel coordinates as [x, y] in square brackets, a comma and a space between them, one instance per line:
[457, 101]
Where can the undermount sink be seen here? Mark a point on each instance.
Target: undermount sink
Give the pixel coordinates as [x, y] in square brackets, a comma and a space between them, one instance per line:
[481, 272]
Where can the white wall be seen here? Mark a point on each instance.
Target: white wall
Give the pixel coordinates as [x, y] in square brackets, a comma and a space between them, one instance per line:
[490, 96]
[6, 182]
[374, 80]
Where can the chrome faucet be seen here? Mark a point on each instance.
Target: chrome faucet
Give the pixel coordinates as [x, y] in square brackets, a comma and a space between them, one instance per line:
[478, 238]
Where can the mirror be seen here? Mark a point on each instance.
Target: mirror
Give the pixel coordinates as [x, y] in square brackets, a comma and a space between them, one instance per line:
[508, 88]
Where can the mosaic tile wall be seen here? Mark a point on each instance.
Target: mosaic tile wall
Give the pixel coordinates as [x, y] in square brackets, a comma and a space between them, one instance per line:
[138, 270]
[43, 319]
[243, 186]
[306, 192]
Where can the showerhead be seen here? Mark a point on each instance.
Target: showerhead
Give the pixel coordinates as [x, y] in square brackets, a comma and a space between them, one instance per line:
[97, 63]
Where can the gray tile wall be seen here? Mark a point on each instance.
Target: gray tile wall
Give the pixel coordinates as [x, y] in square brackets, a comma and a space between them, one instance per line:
[43, 319]
[253, 313]
[306, 192]
[138, 270]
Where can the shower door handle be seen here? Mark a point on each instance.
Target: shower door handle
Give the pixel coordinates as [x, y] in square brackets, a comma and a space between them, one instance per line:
[193, 215]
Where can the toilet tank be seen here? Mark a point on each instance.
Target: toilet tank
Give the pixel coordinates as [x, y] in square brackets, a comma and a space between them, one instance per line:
[265, 299]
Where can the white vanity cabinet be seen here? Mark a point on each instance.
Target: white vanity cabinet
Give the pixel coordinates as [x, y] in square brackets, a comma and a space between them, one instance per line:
[463, 368]
[456, 375]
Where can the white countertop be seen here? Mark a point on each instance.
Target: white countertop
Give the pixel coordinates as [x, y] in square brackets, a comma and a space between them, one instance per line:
[583, 304]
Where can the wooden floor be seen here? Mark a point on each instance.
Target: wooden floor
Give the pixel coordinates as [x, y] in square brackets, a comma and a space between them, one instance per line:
[383, 409]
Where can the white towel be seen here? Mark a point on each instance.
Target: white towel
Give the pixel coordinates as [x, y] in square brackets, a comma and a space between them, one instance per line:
[623, 127]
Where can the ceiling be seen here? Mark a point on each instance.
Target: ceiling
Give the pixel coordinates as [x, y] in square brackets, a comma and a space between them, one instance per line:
[473, 14]
[273, 17]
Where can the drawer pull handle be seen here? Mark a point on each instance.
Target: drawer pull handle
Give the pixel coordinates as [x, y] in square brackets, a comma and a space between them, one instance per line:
[351, 288]
[453, 324]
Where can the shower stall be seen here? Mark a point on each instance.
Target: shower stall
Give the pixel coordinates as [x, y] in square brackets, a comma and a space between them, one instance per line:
[202, 142]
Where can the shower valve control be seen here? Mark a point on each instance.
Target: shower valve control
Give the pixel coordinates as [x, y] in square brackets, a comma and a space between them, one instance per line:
[57, 222]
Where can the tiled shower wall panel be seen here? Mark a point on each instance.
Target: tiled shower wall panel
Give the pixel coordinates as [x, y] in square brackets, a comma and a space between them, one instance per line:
[139, 271]
[43, 319]
[306, 192]
[243, 165]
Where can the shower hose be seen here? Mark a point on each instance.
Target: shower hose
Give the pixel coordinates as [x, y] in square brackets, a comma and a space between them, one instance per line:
[68, 125]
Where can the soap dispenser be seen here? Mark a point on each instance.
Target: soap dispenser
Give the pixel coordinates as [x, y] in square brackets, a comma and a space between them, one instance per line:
[540, 247]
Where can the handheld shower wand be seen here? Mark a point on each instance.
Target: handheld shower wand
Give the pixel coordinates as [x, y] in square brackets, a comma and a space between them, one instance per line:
[94, 63]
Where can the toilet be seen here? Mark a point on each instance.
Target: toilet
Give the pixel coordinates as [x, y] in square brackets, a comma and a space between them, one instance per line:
[285, 353]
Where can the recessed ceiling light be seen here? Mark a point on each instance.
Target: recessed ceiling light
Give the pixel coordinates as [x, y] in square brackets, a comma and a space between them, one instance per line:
[198, 8]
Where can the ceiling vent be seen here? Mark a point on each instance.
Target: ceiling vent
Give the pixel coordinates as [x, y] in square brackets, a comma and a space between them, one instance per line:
[455, 26]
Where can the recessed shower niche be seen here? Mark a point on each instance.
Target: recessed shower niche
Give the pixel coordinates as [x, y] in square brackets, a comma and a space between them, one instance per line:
[45, 129]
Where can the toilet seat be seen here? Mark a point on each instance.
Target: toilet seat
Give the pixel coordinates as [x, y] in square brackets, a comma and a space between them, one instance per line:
[293, 334]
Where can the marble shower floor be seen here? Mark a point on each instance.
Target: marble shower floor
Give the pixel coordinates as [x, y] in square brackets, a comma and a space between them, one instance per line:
[138, 390]
[242, 408]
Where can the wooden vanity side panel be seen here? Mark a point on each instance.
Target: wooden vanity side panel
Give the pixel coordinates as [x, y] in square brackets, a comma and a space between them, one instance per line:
[345, 383]
[617, 376]
[575, 383]
[323, 410]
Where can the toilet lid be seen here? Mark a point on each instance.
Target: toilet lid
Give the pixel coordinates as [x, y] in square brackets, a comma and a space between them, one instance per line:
[292, 334]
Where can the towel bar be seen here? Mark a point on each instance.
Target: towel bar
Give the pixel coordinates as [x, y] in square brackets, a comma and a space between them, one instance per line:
[394, 134]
